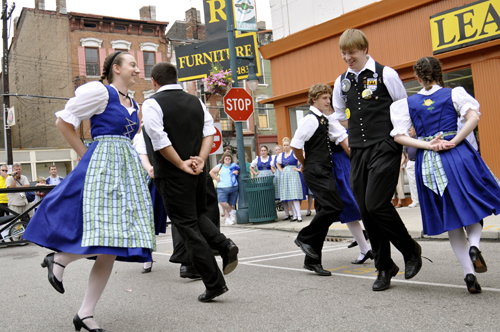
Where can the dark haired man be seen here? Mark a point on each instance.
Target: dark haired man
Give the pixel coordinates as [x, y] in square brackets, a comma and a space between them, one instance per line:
[179, 135]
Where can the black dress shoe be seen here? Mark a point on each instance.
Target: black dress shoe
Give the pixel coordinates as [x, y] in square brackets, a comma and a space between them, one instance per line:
[299, 220]
[318, 269]
[48, 262]
[287, 218]
[369, 255]
[78, 322]
[384, 278]
[147, 270]
[472, 284]
[189, 271]
[209, 295]
[414, 264]
[230, 258]
[477, 260]
[307, 249]
[308, 214]
[294, 219]
[354, 243]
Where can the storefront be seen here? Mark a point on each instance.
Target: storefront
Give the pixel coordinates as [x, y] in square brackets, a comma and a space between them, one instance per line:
[463, 35]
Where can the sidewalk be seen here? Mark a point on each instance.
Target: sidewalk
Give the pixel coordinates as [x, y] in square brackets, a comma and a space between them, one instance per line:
[410, 216]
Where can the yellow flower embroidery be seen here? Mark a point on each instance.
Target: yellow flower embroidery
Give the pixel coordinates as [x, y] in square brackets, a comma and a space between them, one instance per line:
[428, 102]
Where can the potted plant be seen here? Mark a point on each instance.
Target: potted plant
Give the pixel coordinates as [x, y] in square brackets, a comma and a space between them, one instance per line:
[219, 80]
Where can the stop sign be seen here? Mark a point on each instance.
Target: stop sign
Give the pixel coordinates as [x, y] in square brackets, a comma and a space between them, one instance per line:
[238, 104]
[217, 144]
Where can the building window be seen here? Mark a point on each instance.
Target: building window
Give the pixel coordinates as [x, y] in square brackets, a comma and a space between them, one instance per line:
[149, 62]
[92, 61]
[90, 25]
[120, 27]
[147, 30]
[225, 121]
[263, 116]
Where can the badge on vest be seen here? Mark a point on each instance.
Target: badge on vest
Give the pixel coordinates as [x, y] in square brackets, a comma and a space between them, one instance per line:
[371, 84]
[366, 94]
[346, 85]
[348, 113]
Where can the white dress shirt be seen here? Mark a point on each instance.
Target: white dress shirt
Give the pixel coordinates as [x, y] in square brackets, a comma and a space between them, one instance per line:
[400, 113]
[392, 82]
[152, 116]
[308, 126]
[90, 99]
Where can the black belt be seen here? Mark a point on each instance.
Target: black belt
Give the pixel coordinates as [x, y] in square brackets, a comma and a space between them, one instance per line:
[412, 159]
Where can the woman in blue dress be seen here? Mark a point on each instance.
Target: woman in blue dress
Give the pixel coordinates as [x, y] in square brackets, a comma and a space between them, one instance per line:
[291, 184]
[261, 166]
[103, 208]
[455, 187]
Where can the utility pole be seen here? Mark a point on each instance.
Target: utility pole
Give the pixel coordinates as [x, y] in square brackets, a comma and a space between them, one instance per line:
[242, 213]
[5, 65]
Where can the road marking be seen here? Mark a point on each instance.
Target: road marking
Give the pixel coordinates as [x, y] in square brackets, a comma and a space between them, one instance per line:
[367, 277]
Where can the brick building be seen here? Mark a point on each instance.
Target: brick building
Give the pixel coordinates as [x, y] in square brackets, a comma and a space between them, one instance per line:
[261, 127]
[54, 52]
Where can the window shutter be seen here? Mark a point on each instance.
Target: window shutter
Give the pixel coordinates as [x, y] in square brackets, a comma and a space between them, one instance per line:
[81, 61]
[158, 57]
[110, 50]
[102, 56]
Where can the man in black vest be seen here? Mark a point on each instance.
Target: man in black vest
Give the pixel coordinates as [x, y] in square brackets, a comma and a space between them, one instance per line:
[363, 96]
[313, 136]
[180, 132]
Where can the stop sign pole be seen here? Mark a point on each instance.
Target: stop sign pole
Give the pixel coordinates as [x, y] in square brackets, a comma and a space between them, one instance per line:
[242, 216]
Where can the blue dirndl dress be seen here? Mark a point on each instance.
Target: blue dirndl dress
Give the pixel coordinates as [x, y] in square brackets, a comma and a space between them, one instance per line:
[341, 168]
[291, 182]
[264, 167]
[472, 192]
[276, 180]
[103, 206]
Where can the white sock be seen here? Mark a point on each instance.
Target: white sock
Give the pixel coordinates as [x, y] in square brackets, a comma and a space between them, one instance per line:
[147, 265]
[296, 207]
[474, 234]
[285, 208]
[98, 279]
[357, 232]
[460, 246]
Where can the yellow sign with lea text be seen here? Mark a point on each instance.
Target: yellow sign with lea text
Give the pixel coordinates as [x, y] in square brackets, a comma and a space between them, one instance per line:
[467, 25]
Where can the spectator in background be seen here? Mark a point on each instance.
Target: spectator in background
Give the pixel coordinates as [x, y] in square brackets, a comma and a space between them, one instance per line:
[53, 179]
[3, 197]
[17, 201]
[400, 190]
[410, 171]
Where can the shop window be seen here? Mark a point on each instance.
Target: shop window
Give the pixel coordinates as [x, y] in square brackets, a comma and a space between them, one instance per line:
[296, 114]
[264, 116]
[149, 62]
[91, 61]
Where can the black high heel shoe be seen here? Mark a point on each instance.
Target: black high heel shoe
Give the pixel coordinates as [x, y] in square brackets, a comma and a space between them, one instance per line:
[472, 285]
[369, 254]
[48, 262]
[78, 322]
[477, 260]
[144, 270]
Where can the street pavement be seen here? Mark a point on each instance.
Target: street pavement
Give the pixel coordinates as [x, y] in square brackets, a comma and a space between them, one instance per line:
[268, 291]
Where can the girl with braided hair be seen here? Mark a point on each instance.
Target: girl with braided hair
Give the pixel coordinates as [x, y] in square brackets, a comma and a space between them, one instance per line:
[456, 189]
[103, 209]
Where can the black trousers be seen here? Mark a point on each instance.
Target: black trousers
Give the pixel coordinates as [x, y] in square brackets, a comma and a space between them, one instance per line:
[328, 207]
[4, 212]
[374, 176]
[185, 197]
[219, 241]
